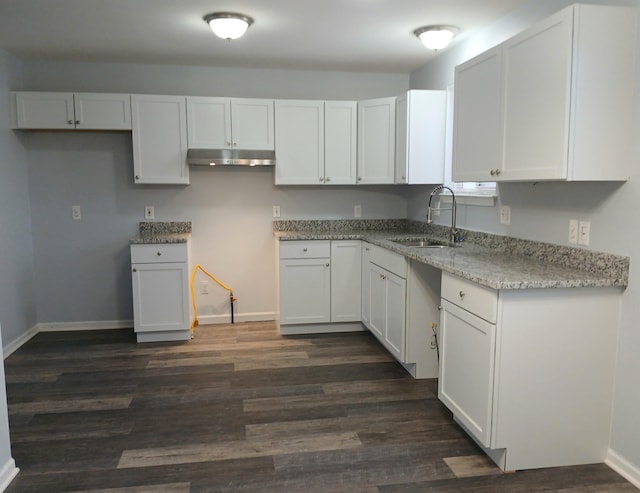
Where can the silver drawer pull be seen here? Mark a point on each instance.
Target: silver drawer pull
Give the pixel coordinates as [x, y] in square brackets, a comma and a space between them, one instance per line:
[159, 253]
[135, 270]
[327, 265]
[462, 294]
[305, 250]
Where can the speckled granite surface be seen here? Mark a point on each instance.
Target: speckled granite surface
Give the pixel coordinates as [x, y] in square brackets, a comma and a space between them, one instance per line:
[499, 262]
[163, 232]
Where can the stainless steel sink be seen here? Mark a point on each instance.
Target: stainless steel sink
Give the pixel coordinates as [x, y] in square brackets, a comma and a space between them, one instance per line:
[423, 243]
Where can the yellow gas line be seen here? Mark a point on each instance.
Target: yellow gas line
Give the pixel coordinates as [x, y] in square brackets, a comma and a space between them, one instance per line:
[232, 298]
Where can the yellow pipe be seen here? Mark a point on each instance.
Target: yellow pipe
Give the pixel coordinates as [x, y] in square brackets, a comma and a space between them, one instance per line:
[193, 294]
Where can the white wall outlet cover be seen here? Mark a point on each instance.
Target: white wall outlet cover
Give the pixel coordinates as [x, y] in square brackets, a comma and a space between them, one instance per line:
[505, 214]
[584, 233]
[76, 212]
[357, 211]
[573, 231]
[276, 211]
[149, 212]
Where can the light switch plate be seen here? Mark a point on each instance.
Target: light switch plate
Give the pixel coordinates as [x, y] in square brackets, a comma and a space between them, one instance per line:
[357, 211]
[149, 212]
[573, 231]
[584, 233]
[276, 211]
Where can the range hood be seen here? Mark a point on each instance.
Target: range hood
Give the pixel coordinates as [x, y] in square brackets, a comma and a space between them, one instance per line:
[230, 157]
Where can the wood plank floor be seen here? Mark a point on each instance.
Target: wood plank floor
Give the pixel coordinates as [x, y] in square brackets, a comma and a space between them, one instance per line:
[241, 408]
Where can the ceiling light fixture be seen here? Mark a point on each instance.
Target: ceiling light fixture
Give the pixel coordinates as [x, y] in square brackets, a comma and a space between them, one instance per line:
[436, 37]
[228, 25]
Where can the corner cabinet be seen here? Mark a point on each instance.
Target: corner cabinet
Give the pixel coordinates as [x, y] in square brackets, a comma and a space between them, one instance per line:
[551, 103]
[519, 369]
[420, 137]
[319, 286]
[159, 131]
[71, 111]
[230, 123]
[316, 142]
[160, 280]
[376, 141]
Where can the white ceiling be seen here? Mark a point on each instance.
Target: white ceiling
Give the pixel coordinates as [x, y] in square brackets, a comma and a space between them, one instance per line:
[345, 35]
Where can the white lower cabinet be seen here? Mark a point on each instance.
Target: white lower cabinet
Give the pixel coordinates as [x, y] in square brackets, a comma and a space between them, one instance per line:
[529, 373]
[160, 280]
[400, 305]
[319, 286]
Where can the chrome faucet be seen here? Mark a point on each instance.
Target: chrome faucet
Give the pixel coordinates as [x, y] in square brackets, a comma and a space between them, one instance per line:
[452, 231]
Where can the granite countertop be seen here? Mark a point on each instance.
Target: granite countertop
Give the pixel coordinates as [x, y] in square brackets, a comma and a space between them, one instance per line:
[163, 232]
[494, 261]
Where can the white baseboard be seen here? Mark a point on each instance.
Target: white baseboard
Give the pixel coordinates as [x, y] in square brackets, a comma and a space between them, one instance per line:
[622, 466]
[8, 472]
[16, 344]
[74, 326]
[237, 317]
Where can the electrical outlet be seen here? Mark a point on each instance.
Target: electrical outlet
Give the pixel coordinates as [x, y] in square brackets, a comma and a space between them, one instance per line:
[204, 287]
[76, 213]
[276, 211]
[357, 211]
[505, 214]
[584, 232]
[573, 231]
[149, 212]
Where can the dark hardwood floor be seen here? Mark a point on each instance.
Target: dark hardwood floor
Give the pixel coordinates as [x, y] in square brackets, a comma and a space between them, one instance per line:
[240, 408]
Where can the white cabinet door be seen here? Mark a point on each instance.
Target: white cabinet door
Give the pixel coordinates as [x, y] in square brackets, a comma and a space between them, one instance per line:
[366, 286]
[305, 291]
[300, 137]
[376, 141]
[420, 137]
[388, 302]
[378, 301]
[394, 334]
[477, 120]
[47, 110]
[466, 376]
[100, 111]
[209, 123]
[252, 122]
[340, 142]
[159, 131]
[346, 279]
[160, 296]
[537, 97]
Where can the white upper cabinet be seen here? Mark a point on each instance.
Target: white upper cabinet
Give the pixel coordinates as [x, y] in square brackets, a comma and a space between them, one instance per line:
[420, 137]
[316, 142]
[159, 139]
[71, 111]
[477, 117]
[376, 141]
[340, 142]
[224, 123]
[564, 112]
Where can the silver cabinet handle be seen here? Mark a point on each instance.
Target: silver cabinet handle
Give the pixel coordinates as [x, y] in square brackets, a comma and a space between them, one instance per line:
[137, 177]
[321, 179]
[305, 250]
[328, 180]
[327, 265]
[462, 294]
[77, 122]
[159, 254]
[135, 270]
[492, 172]
[70, 122]
[498, 171]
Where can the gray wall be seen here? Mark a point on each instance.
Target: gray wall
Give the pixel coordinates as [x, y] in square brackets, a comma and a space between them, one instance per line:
[17, 301]
[83, 266]
[542, 212]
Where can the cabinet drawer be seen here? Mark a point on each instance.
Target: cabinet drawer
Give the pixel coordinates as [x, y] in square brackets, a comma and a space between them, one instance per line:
[480, 300]
[158, 253]
[305, 249]
[390, 261]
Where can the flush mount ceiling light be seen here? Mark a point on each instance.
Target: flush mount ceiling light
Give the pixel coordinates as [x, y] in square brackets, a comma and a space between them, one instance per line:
[228, 25]
[436, 37]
